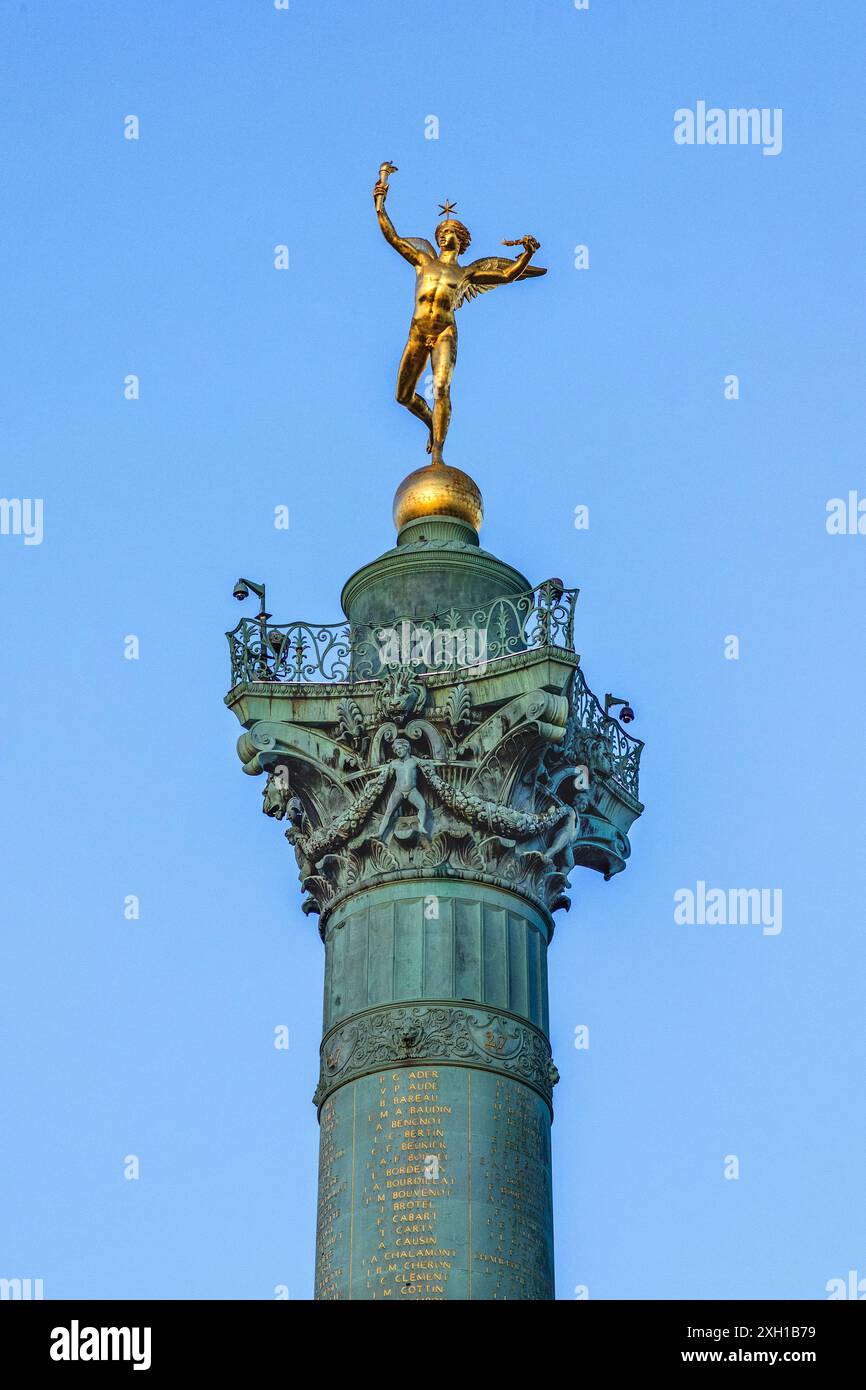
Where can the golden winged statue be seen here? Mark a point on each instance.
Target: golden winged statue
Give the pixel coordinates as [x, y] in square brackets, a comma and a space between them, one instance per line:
[442, 286]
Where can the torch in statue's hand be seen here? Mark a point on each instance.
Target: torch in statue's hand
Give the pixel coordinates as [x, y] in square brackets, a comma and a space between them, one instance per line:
[380, 192]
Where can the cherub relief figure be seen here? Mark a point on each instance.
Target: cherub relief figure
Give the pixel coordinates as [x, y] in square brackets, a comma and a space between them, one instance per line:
[405, 771]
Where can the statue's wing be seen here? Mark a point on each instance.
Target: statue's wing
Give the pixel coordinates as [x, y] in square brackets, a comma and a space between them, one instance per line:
[421, 244]
[494, 266]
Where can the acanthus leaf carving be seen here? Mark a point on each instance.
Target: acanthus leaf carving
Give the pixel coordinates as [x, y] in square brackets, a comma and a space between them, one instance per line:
[458, 709]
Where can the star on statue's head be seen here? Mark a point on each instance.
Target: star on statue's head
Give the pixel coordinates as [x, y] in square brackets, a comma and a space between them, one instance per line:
[447, 208]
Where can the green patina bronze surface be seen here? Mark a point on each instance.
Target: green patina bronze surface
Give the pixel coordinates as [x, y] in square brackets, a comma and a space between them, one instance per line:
[441, 767]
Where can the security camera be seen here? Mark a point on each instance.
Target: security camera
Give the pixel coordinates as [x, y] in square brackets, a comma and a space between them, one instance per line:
[612, 702]
[241, 591]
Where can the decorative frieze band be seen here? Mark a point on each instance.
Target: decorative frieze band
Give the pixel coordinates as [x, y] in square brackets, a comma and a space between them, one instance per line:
[435, 1034]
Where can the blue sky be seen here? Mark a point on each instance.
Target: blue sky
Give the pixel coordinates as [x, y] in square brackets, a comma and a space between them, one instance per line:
[602, 388]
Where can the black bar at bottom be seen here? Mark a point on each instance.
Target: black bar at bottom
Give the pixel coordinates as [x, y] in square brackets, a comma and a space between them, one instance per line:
[68, 1337]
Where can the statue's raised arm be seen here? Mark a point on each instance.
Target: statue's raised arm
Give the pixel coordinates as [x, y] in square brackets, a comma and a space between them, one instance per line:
[414, 249]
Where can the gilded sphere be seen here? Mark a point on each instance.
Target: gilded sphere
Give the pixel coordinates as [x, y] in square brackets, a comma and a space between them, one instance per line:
[438, 490]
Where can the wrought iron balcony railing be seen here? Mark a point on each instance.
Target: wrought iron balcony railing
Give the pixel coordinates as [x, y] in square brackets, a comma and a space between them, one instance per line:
[623, 748]
[305, 653]
[309, 652]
